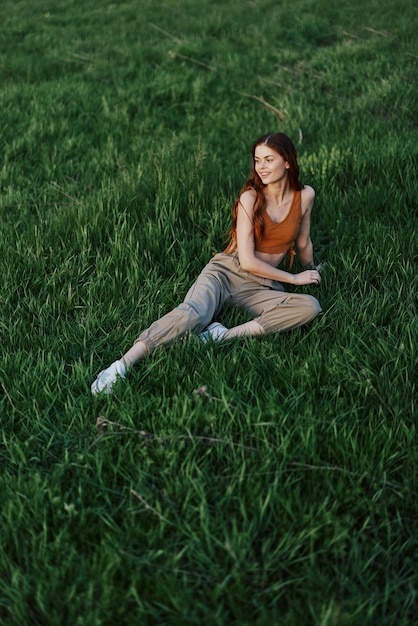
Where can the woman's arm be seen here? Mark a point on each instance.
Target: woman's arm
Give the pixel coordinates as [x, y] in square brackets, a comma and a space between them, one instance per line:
[248, 259]
[304, 247]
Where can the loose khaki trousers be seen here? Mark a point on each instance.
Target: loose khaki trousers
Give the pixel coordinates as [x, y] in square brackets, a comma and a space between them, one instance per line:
[223, 282]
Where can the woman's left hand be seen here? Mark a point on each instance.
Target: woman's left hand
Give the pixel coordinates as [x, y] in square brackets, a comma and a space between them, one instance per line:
[308, 277]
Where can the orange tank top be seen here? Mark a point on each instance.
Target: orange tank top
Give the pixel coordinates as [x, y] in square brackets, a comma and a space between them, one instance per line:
[278, 238]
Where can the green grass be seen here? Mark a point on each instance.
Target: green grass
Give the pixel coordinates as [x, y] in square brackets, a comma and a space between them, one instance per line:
[262, 482]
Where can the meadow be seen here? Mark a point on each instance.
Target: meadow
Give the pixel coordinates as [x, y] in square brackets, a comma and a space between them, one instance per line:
[260, 482]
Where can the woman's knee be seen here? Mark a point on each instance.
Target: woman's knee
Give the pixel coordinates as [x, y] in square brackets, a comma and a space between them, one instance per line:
[173, 325]
[306, 309]
[197, 319]
[313, 306]
[290, 313]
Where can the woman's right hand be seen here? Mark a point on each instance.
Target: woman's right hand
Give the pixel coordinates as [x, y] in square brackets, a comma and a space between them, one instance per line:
[308, 277]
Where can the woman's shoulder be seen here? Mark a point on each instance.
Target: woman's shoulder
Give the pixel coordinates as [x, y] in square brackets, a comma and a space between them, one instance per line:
[308, 193]
[248, 198]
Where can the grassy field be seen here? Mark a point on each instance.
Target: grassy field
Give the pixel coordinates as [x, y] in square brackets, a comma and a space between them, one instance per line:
[262, 482]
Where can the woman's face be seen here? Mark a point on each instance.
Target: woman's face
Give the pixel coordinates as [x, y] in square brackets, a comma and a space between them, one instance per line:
[269, 165]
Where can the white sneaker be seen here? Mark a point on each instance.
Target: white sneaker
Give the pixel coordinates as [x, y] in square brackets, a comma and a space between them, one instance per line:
[214, 332]
[107, 378]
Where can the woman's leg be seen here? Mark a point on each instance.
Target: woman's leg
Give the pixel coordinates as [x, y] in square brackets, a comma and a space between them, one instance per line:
[202, 302]
[272, 309]
[249, 329]
[136, 353]
[279, 311]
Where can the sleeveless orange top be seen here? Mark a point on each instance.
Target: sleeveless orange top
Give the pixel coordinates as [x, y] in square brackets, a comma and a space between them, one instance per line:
[278, 238]
[281, 237]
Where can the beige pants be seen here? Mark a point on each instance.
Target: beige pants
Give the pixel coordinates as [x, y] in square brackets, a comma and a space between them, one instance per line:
[223, 282]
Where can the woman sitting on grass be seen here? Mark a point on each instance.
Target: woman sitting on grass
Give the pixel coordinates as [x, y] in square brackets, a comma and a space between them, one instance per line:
[271, 215]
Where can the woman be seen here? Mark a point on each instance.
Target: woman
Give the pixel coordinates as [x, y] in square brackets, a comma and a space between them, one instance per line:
[270, 217]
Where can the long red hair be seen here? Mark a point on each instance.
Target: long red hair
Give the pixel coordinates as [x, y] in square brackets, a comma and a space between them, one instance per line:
[280, 143]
